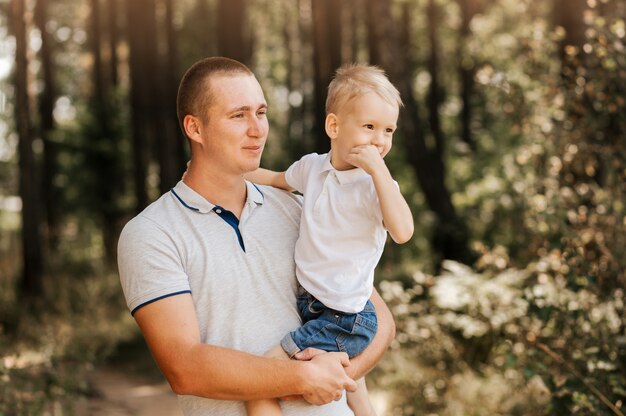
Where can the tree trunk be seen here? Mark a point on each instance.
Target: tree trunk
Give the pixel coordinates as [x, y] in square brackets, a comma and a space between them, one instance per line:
[467, 69]
[569, 15]
[102, 157]
[449, 240]
[144, 90]
[46, 106]
[113, 28]
[294, 132]
[233, 40]
[434, 93]
[32, 273]
[171, 151]
[326, 59]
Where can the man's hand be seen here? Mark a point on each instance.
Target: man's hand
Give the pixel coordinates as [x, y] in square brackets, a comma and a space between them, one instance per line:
[304, 355]
[366, 157]
[326, 375]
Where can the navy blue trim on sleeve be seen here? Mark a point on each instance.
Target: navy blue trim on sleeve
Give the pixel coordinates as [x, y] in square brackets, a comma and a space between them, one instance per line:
[159, 298]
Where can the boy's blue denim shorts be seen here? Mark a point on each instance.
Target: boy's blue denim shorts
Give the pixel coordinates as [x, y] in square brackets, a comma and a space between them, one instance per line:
[330, 330]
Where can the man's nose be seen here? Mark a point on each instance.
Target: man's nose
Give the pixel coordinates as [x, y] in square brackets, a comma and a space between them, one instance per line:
[256, 127]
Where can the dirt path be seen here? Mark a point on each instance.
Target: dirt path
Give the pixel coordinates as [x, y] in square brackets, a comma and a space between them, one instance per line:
[120, 394]
[129, 384]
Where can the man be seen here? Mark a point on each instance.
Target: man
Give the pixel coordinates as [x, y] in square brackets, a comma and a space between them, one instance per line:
[208, 271]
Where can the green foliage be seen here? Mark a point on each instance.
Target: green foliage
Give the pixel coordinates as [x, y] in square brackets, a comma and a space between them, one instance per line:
[536, 326]
[546, 196]
[46, 357]
[547, 343]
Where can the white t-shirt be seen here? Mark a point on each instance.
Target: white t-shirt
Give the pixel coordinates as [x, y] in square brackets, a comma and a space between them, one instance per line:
[245, 300]
[341, 232]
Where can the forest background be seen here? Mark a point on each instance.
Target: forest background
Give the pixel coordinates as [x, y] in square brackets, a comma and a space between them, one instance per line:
[509, 300]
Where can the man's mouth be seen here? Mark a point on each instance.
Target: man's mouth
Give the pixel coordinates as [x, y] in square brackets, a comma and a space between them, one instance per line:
[253, 148]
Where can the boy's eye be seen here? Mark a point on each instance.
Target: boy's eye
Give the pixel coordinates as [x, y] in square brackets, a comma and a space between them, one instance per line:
[389, 130]
[369, 126]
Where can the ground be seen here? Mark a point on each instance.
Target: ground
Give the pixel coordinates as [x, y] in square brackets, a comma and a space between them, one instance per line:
[129, 384]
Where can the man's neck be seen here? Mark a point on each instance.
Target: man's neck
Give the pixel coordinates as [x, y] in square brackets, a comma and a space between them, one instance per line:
[227, 191]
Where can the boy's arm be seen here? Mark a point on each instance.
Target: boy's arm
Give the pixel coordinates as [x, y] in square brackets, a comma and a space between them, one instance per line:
[367, 360]
[170, 328]
[268, 177]
[397, 216]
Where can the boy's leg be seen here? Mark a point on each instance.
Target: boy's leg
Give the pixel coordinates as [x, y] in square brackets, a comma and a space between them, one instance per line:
[359, 400]
[267, 407]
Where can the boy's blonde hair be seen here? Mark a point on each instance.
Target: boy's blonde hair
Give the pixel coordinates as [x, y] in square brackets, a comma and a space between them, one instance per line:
[352, 80]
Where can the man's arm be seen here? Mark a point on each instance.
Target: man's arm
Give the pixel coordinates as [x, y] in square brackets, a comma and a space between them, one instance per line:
[367, 360]
[385, 333]
[269, 177]
[170, 328]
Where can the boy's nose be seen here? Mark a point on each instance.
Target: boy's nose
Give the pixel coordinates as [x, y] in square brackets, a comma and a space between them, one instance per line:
[378, 140]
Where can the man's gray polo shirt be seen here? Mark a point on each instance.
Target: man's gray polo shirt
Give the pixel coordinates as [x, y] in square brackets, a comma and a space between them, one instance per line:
[240, 274]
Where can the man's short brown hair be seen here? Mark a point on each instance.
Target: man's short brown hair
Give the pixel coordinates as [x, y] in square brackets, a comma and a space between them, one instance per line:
[194, 95]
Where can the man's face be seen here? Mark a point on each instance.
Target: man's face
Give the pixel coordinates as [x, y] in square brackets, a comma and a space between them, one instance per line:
[236, 128]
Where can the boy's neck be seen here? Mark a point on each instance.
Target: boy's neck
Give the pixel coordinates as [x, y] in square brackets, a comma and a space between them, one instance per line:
[334, 165]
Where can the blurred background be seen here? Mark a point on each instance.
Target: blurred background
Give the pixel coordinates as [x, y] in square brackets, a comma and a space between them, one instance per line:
[511, 149]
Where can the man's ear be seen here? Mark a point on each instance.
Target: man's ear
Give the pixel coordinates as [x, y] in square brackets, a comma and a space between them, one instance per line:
[332, 128]
[192, 128]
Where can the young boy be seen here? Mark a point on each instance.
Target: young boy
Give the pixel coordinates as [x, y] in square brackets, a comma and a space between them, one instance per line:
[350, 203]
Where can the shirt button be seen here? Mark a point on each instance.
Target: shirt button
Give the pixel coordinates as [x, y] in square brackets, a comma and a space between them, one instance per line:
[337, 315]
[219, 211]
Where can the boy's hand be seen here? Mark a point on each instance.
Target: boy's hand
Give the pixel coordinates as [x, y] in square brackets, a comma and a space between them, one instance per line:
[366, 157]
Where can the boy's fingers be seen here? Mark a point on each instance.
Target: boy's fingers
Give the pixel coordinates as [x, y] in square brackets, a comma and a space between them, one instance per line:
[307, 354]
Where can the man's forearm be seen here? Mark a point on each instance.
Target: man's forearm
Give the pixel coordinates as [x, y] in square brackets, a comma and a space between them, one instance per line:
[225, 374]
[170, 328]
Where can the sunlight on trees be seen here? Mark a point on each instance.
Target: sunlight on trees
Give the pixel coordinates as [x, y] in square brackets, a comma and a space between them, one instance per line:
[519, 108]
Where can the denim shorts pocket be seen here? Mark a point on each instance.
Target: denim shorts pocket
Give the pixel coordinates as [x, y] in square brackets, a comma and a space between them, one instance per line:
[361, 334]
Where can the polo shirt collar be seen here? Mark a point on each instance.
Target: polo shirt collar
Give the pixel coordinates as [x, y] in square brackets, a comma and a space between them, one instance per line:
[254, 196]
[196, 202]
[343, 176]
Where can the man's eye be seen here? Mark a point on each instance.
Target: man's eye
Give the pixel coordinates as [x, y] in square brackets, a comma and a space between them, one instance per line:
[238, 115]
[262, 113]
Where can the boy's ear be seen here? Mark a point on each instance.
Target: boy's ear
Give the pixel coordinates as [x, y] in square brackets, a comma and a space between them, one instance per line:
[192, 127]
[332, 129]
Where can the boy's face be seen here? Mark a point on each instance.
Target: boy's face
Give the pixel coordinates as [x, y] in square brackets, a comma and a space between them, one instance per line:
[364, 120]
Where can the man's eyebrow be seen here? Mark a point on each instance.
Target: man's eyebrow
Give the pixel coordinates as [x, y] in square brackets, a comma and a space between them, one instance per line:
[247, 108]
